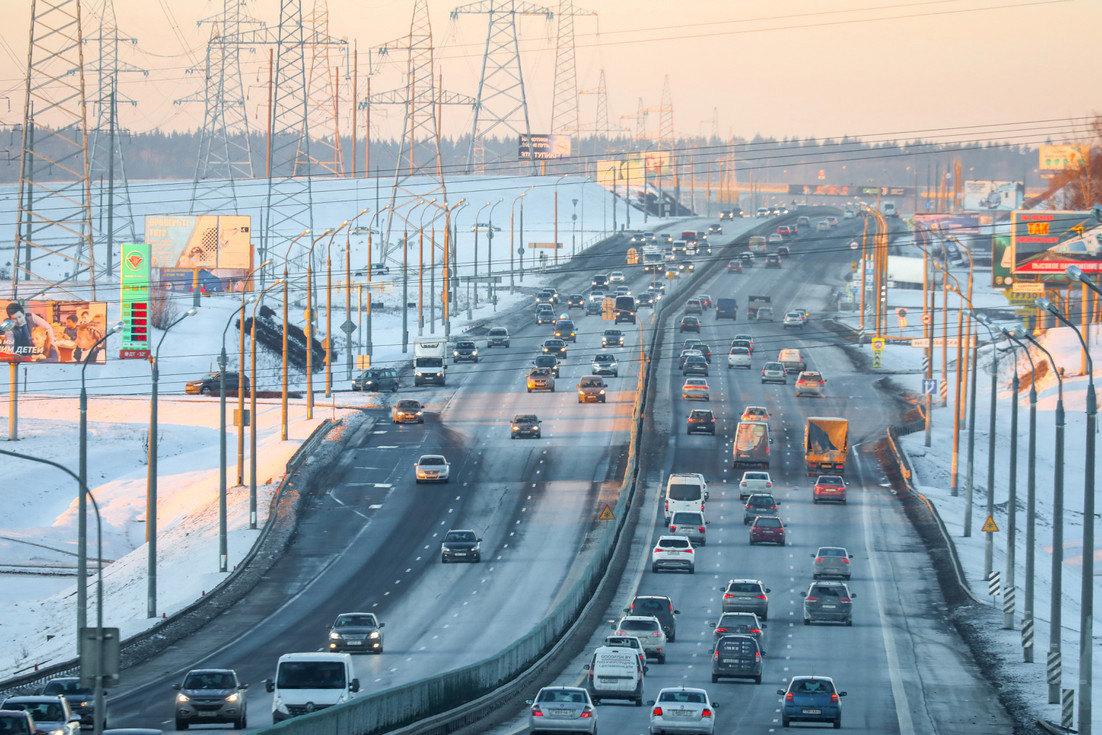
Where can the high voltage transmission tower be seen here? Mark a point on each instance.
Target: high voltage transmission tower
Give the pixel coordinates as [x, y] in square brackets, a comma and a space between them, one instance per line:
[564, 106]
[417, 172]
[225, 152]
[108, 165]
[323, 96]
[665, 116]
[601, 126]
[501, 107]
[53, 238]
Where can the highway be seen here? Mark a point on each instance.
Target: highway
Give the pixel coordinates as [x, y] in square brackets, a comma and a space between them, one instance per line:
[371, 541]
[904, 668]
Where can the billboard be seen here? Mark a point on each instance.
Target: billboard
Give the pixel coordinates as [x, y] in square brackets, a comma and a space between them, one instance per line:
[1045, 243]
[216, 251]
[987, 196]
[946, 224]
[657, 163]
[615, 175]
[1052, 158]
[135, 301]
[1002, 262]
[542, 146]
[54, 331]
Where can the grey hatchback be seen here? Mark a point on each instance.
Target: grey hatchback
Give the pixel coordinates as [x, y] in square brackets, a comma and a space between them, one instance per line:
[736, 656]
[759, 504]
[828, 602]
[746, 595]
[740, 624]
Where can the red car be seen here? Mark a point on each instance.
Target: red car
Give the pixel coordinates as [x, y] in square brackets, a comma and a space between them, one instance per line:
[785, 231]
[767, 530]
[734, 266]
[830, 489]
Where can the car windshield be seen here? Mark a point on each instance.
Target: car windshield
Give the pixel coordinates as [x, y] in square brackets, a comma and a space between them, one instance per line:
[755, 476]
[357, 621]
[590, 383]
[547, 361]
[465, 345]
[311, 675]
[463, 536]
[689, 519]
[684, 491]
[812, 686]
[604, 358]
[644, 625]
[650, 605]
[701, 415]
[832, 551]
[525, 419]
[830, 480]
[674, 543]
[432, 461]
[682, 697]
[39, 711]
[769, 523]
[209, 680]
[762, 501]
[66, 686]
[745, 587]
[827, 591]
[562, 695]
[409, 405]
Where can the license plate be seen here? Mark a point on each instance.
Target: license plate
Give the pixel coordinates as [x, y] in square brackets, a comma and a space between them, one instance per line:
[730, 660]
[813, 712]
[829, 607]
[682, 713]
[355, 643]
[207, 714]
[560, 712]
[607, 681]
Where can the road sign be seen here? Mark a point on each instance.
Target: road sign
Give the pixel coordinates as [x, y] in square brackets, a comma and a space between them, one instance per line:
[96, 645]
[550, 245]
[348, 327]
[876, 360]
[989, 526]
[994, 583]
[929, 386]
[877, 344]
[927, 318]
[633, 256]
[853, 245]
[363, 362]
[607, 514]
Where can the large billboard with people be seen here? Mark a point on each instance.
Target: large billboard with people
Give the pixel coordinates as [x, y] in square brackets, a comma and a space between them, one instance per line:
[1047, 242]
[54, 331]
[988, 196]
[210, 252]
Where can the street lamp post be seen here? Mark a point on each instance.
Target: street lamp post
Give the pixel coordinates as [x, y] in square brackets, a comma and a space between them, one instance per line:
[1056, 590]
[310, 326]
[614, 172]
[241, 369]
[151, 476]
[421, 271]
[252, 408]
[329, 307]
[989, 539]
[223, 551]
[1086, 601]
[490, 256]
[555, 215]
[284, 372]
[1031, 496]
[368, 344]
[574, 228]
[448, 264]
[474, 272]
[82, 471]
[512, 243]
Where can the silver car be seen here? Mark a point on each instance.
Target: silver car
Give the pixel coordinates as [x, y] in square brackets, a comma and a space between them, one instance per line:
[831, 561]
[828, 602]
[691, 525]
[211, 696]
[432, 468]
[746, 595]
[682, 710]
[774, 372]
[648, 630]
[562, 709]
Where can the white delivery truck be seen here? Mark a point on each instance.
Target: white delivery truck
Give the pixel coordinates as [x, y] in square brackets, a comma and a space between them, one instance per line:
[429, 363]
[616, 673]
[308, 682]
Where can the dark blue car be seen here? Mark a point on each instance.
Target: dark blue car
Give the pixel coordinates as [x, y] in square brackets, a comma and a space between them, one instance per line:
[811, 699]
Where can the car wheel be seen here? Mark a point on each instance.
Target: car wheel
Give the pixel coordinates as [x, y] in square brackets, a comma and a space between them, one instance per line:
[529, 390]
[765, 616]
[692, 570]
[784, 722]
[204, 391]
[639, 701]
[838, 724]
[417, 481]
[757, 679]
[816, 576]
[807, 621]
[654, 568]
[661, 658]
[241, 724]
[714, 678]
[849, 623]
[181, 724]
[443, 559]
[689, 431]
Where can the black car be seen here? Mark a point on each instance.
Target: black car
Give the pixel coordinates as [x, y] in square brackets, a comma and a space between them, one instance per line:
[17, 722]
[555, 347]
[575, 301]
[565, 330]
[658, 607]
[80, 698]
[356, 631]
[547, 361]
[525, 425]
[461, 546]
[376, 379]
[612, 338]
[772, 261]
[695, 365]
[211, 384]
[645, 299]
[600, 281]
[690, 324]
[701, 420]
[465, 351]
[498, 337]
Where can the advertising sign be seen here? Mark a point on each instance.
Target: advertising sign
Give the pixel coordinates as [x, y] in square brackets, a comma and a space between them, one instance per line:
[964, 223]
[1002, 261]
[986, 196]
[657, 163]
[542, 146]
[615, 175]
[135, 301]
[212, 250]
[1045, 243]
[54, 331]
[1054, 158]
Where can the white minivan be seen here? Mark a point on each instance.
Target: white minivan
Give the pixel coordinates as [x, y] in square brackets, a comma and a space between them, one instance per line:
[616, 672]
[685, 491]
[307, 682]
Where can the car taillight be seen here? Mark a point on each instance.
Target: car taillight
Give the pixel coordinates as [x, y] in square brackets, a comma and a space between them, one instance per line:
[706, 713]
[811, 599]
[673, 528]
[846, 561]
[657, 634]
[587, 712]
[715, 655]
[757, 656]
[834, 699]
[721, 630]
[760, 597]
[845, 599]
[536, 711]
[657, 712]
[769, 484]
[789, 698]
[755, 631]
[818, 560]
[701, 529]
[689, 550]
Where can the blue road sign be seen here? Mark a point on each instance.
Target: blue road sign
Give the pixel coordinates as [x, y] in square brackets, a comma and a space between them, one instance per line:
[929, 386]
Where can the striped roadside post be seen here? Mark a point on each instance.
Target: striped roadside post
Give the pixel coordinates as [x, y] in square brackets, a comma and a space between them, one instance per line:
[1027, 639]
[1054, 672]
[994, 584]
[1067, 708]
[1008, 607]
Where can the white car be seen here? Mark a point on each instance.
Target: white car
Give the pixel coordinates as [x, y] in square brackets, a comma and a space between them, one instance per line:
[616, 277]
[746, 337]
[822, 226]
[562, 709]
[794, 320]
[682, 710]
[432, 468]
[738, 357]
[673, 552]
[754, 482]
[755, 413]
[776, 237]
[695, 389]
[648, 630]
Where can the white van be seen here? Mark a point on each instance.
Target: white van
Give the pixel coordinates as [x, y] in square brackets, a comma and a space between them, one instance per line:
[308, 682]
[616, 673]
[685, 491]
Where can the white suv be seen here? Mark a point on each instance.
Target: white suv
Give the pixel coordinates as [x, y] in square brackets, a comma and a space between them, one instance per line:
[738, 357]
[673, 552]
[754, 482]
[649, 632]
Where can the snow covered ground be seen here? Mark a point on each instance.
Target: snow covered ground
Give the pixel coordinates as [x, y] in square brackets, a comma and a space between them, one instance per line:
[933, 470]
[38, 533]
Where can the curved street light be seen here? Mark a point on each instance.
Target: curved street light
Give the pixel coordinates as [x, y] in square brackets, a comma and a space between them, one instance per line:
[449, 245]
[223, 551]
[421, 269]
[329, 305]
[310, 316]
[286, 302]
[512, 246]
[489, 256]
[989, 538]
[348, 293]
[241, 369]
[252, 408]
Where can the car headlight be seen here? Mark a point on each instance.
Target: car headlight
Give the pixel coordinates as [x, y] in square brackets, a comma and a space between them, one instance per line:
[516, 428]
[455, 354]
[181, 697]
[474, 352]
[233, 697]
[58, 731]
[374, 634]
[279, 706]
[602, 391]
[418, 373]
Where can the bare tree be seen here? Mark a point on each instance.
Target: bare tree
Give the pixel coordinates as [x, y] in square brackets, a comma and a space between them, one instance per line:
[162, 309]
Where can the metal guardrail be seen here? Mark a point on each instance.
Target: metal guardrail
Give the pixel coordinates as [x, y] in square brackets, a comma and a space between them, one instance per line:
[133, 648]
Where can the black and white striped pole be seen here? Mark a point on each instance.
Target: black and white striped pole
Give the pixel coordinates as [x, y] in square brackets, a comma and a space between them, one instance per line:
[1030, 502]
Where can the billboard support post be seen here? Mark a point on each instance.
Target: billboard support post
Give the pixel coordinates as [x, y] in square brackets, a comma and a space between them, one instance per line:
[13, 402]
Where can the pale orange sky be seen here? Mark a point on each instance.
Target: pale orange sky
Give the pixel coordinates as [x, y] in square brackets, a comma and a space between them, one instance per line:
[799, 68]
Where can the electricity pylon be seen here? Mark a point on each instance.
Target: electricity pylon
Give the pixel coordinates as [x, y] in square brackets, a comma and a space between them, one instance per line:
[665, 116]
[107, 166]
[601, 126]
[323, 93]
[501, 107]
[564, 106]
[53, 236]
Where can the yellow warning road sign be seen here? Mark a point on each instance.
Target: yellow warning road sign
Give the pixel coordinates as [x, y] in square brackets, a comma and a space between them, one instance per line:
[607, 515]
[989, 526]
